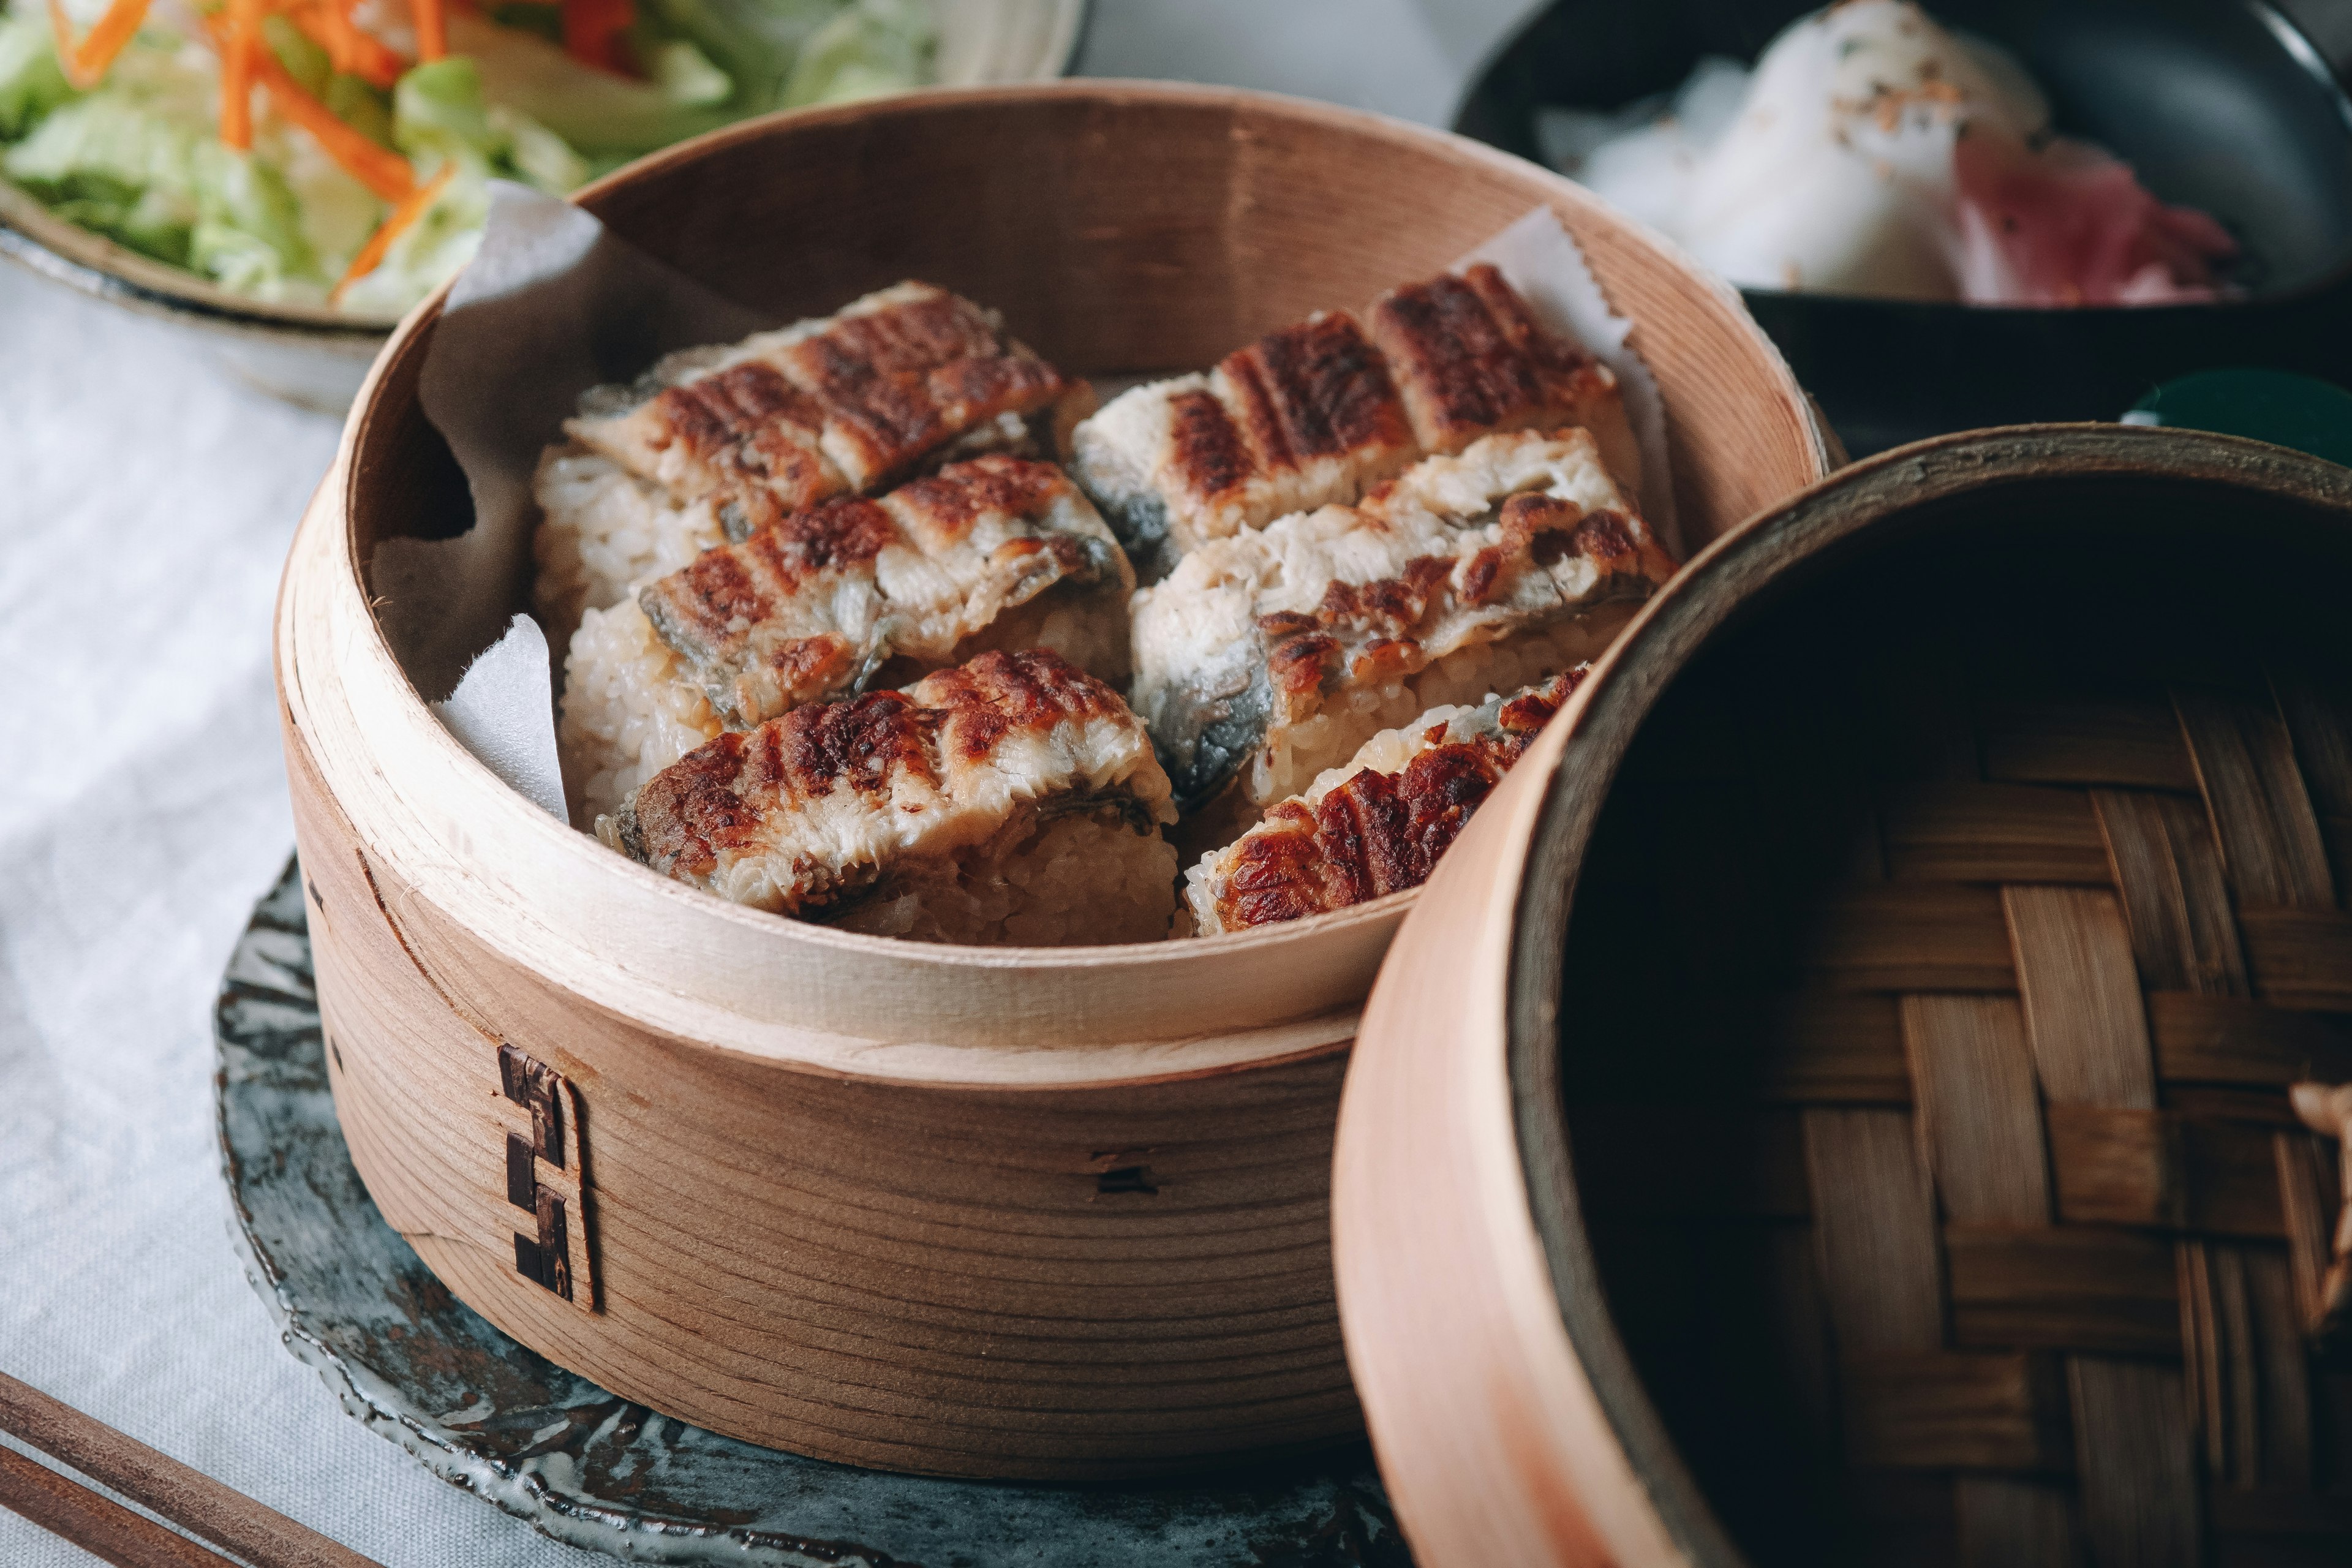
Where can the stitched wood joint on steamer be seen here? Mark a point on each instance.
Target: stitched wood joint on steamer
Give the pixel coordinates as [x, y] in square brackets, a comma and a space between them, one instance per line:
[539, 1112]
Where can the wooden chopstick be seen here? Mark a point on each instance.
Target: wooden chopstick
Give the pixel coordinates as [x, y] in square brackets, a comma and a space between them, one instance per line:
[189, 1498]
[93, 1521]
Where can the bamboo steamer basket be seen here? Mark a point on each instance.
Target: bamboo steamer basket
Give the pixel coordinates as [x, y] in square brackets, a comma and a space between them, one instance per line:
[1832, 1104]
[1018, 1212]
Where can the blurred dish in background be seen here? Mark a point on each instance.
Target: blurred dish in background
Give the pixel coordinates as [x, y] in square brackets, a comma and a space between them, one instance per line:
[303, 349]
[323, 152]
[2233, 107]
[1871, 152]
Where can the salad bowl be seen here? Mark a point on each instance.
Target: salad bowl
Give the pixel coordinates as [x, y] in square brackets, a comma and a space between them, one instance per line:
[316, 356]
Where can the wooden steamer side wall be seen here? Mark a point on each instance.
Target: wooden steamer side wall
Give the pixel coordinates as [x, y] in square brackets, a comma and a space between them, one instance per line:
[1022, 1214]
[1004, 1281]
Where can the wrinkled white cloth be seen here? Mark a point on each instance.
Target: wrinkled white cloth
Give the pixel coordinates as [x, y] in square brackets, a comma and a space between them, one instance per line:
[145, 505]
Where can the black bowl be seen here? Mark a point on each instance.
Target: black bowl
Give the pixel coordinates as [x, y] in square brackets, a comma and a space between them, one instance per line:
[2224, 105]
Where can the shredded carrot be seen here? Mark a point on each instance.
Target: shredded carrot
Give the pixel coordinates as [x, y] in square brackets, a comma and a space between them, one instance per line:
[595, 32]
[351, 51]
[240, 47]
[385, 171]
[85, 63]
[379, 245]
[432, 30]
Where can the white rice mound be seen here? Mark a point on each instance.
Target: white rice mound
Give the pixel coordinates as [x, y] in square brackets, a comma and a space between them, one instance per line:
[1294, 757]
[603, 534]
[1390, 751]
[628, 710]
[1086, 878]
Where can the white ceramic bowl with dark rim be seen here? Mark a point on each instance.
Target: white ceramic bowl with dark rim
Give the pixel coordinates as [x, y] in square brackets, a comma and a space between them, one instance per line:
[316, 357]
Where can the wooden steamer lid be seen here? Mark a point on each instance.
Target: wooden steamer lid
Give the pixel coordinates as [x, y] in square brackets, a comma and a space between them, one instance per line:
[1951, 868]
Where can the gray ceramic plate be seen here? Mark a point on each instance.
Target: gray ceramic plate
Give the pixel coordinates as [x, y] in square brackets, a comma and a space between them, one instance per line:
[587, 1468]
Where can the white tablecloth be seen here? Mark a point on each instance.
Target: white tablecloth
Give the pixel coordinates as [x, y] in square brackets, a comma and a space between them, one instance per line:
[145, 503]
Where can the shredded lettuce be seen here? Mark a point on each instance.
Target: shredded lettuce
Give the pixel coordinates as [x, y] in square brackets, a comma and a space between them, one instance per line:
[876, 47]
[304, 60]
[752, 42]
[31, 82]
[429, 252]
[440, 112]
[138, 161]
[597, 112]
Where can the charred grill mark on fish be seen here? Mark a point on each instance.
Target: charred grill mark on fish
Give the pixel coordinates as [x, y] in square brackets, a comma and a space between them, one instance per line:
[907, 376]
[897, 381]
[746, 428]
[950, 502]
[1324, 412]
[996, 694]
[1207, 455]
[819, 795]
[1316, 390]
[1378, 833]
[803, 607]
[1346, 599]
[1471, 359]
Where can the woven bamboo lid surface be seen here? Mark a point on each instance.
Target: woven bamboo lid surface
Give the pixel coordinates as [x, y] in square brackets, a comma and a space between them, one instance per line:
[1901, 1164]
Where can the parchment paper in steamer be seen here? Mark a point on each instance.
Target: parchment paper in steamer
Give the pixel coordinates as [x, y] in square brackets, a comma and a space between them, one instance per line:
[1542, 260]
[552, 304]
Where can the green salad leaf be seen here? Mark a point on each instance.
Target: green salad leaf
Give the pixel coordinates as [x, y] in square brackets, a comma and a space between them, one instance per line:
[439, 111]
[872, 48]
[31, 82]
[139, 160]
[429, 252]
[597, 113]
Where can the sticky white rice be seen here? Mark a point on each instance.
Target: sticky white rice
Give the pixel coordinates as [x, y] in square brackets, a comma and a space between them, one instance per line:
[1084, 879]
[628, 710]
[603, 534]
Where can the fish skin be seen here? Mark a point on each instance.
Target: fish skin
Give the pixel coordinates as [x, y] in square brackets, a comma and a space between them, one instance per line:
[1375, 831]
[810, 809]
[813, 605]
[1258, 629]
[833, 405]
[1322, 412]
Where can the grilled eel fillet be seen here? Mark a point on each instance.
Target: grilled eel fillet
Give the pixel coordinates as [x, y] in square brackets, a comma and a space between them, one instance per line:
[811, 810]
[1319, 412]
[828, 599]
[1254, 633]
[826, 408]
[1378, 825]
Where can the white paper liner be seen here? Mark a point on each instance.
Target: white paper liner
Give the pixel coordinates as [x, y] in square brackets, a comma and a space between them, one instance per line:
[554, 304]
[1537, 256]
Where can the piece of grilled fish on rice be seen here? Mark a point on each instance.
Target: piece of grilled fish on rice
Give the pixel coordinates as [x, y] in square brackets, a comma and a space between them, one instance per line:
[1318, 414]
[1301, 417]
[1378, 823]
[845, 403]
[1471, 360]
[1014, 799]
[1270, 655]
[837, 598]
